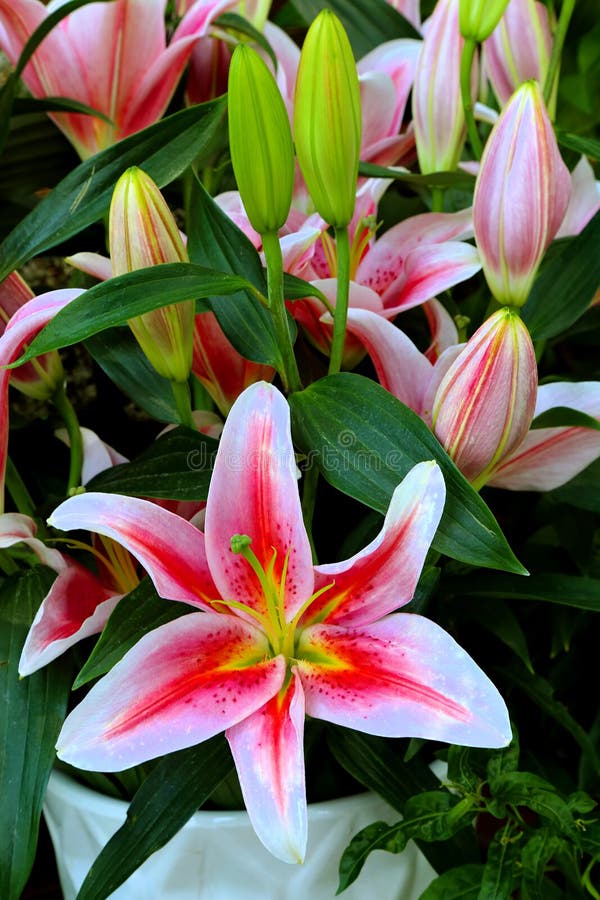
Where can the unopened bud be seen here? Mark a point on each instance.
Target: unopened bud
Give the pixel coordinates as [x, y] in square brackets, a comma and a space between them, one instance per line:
[478, 18]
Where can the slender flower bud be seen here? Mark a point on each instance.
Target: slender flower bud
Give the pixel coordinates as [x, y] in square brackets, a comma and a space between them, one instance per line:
[519, 48]
[327, 119]
[260, 140]
[478, 18]
[484, 405]
[521, 195]
[41, 377]
[437, 105]
[144, 233]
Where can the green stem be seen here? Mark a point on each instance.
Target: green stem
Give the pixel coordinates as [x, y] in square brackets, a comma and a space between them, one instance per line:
[466, 64]
[69, 417]
[290, 375]
[181, 393]
[18, 491]
[437, 199]
[342, 241]
[309, 496]
[559, 39]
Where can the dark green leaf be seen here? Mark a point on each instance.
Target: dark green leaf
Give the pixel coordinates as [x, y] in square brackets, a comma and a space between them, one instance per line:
[378, 836]
[580, 802]
[165, 150]
[119, 355]
[499, 871]
[177, 466]
[33, 710]
[364, 442]
[573, 273]
[566, 590]
[501, 621]
[504, 760]
[367, 22]
[466, 766]
[561, 416]
[586, 145]
[232, 22]
[135, 615]
[117, 300]
[461, 883]
[7, 98]
[374, 762]
[24, 105]
[433, 179]
[215, 241]
[528, 789]
[535, 856]
[176, 787]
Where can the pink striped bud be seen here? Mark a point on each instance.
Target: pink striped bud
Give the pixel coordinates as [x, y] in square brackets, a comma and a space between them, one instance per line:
[438, 114]
[519, 48]
[143, 233]
[484, 405]
[521, 195]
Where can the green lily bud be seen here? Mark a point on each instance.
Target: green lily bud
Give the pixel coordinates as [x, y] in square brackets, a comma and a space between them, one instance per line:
[478, 18]
[144, 233]
[260, 140]
[327, 119]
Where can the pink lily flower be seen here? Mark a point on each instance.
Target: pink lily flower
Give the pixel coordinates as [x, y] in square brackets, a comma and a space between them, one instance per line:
[519, 48]
[111, 56]
[26, 322]
[479, 403]
[521, 195]
[273, 637]
[41, 377]
[584, 200]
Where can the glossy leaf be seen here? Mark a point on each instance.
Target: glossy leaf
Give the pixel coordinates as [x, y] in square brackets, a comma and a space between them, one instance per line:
[368, 22]
[179, 784]
[164, 150]
[231, 21]
[177, 466]
[139, 612]
[566, 590]
[119, 355]
[527, 789]
[24, 105]
[560, 416]
[499, 619]
[460, 883]
[215, 241]
[115, 301]
[572, 273]
[499, 872]
[364, 441]
[33, 710]
[432, 179]
[586, 145]
[537, 853]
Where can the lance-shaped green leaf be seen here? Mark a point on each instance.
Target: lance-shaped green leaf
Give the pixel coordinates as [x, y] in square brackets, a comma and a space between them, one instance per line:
[565, 590]
[431, 179]
[564, 415]
[33, 709]
[177, 466]
[180, 783]
[574, 273]
[364, 441]
[459, 883]
[214, 240]
[164, 150]
[500, 869]
[117, 300]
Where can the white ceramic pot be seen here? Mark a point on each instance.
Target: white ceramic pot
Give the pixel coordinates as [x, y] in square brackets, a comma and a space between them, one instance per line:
[217, 856]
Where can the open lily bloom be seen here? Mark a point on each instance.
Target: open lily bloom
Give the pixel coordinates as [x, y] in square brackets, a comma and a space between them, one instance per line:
[531, 459]
[274, 637]
[110, 56]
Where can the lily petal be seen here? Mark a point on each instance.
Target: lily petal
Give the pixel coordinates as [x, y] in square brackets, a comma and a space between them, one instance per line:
[384, 575]
[169, 548]
[549, 457]
[254, 492]
[401, 368]
[16, 528]
[22, 328]
[403, 676]
[202, 673]
[76, 606]
[268, 751]
[429, 271]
